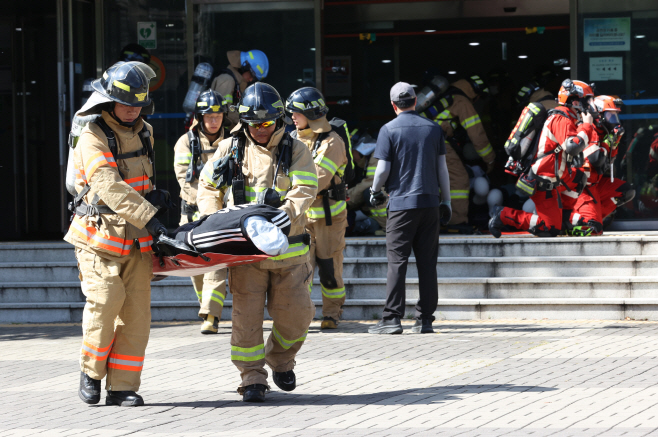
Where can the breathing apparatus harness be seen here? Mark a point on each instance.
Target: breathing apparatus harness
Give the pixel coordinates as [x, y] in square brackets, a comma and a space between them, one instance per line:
[78, 206]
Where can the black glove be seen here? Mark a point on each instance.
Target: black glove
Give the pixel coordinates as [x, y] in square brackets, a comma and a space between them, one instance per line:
[269, 197]
[377, 198]
[221, 174]
[162, 201]
[155, 228]
[166, 246]
[445, 213]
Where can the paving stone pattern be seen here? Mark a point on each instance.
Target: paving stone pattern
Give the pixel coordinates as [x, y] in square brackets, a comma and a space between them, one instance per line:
[483, 378]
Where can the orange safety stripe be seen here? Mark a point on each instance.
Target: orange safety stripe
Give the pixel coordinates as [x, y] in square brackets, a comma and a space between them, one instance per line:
[140, 183]
[126, 362]
[145, 243]
[95, 238]
[97, 160]
[96, 353]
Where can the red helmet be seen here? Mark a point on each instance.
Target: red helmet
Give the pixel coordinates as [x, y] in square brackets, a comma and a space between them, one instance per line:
[574, 92]
[608, 109]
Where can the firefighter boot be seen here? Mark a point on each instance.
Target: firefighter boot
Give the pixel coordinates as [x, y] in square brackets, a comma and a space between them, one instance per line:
[210, 325]
[254, 393]
[496, 224]
[328, 323]
[286, 381]
[90, 389]
[123, 399]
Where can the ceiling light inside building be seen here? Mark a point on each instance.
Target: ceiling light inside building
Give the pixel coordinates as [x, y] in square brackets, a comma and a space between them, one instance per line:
[312, 49]
[473, 43]
[430, 31]
[170, 25]
[523, 56]
[299, 80]
[566, 68]
[640, 36]
[386, 61]
[452, 72]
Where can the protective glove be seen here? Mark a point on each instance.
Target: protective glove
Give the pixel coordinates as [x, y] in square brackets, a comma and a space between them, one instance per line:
[445, 212]
[269, 197]
[377, 198]
[155, 228]
[162, 201]
[221, 174]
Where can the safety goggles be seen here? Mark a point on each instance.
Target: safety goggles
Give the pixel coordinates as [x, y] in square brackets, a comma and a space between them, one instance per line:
[263, 125]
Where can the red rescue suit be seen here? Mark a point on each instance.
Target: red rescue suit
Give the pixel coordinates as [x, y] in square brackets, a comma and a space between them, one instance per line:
[560, 131]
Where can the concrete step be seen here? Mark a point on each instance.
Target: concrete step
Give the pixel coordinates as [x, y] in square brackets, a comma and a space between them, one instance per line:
[170, 289]
[368, 309]
[617, 287]
[593, 266]
[376, 267]
[487, 246]
[36, 252]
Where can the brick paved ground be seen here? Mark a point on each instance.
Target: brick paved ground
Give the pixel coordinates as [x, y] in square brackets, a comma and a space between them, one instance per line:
[485, 378]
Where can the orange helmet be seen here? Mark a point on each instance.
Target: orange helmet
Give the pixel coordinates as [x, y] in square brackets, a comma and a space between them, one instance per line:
[608, 109]
[574, 92]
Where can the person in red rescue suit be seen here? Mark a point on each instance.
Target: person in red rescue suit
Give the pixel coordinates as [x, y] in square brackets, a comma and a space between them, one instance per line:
[112, 230]
[453, 116]
[244, 68]
[561, 139]
[263, 164]
[652, 167]
[204, 135]
[327, 216]
[603, 195]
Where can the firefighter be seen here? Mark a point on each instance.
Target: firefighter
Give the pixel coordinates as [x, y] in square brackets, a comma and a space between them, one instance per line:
[602, 195]
[534, 92]
[549, 172]
[327, 216]
[365, 165]
[204, 134]
[244, 68]
[456, 115]
[112, 231]
[263, 164]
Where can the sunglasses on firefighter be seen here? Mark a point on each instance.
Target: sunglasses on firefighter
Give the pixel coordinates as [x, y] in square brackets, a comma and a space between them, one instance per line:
[263, 125]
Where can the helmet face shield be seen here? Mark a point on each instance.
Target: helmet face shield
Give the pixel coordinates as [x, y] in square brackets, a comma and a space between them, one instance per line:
[611, 118]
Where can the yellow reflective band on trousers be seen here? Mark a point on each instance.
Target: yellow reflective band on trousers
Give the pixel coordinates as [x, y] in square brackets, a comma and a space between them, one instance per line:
[333, 293]
[326, 163]
[217, 297]
[286, 344]
[250, 193]
[248, 353]
[199, 294]
[378, 212]
[310, 287]
[471, 121]
[303, 178]
[296, 249]
[459, 194]
[487, 150]
[318, 211]
[182, 158]
[444, 116]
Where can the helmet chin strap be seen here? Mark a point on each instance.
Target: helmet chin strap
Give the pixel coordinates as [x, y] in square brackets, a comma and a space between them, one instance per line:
[123, 123]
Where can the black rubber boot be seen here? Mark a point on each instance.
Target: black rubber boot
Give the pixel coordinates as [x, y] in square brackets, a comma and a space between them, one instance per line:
[286, 381]
[496, 224]
[90, 389]
[123, 399]
[254, 393]
[392, 326]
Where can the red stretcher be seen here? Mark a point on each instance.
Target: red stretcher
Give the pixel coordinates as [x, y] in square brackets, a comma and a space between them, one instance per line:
[190, 265]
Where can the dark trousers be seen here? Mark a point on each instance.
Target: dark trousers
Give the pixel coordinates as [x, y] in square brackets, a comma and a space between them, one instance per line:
[417, 229]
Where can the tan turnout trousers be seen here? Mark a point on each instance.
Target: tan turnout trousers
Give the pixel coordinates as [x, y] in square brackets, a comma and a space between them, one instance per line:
[116, 318]
[288, 303]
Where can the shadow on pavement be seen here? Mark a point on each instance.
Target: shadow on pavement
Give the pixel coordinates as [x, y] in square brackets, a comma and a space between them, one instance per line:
[421, 396]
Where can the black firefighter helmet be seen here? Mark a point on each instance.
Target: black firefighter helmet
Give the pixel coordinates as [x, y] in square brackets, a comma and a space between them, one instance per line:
[126, 83]
[309, 102]
[260, 102]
